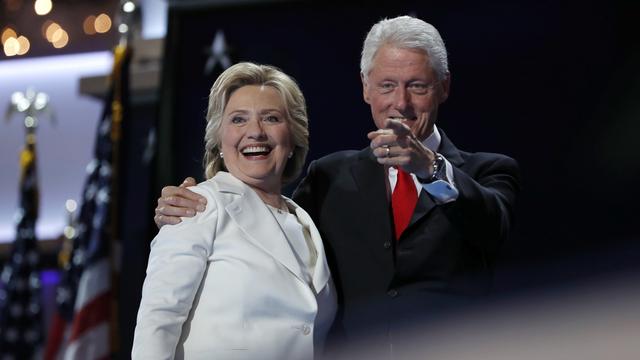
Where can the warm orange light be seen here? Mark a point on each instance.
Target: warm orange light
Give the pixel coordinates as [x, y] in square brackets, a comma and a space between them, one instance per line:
[57, 35]
[43, 28]
[88, 25]
[62, 41]
[42, 7]
[103, 23]
[8, 33]
[11, 46]
[51, 30]
[24, 45]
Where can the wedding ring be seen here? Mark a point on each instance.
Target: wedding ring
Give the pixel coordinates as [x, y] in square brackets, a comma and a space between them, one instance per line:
[388, 151]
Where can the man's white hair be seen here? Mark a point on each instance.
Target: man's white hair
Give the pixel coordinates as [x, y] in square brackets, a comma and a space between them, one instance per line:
[405, 32]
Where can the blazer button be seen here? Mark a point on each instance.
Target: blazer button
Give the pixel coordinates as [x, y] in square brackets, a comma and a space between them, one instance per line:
[306, 329]
[387, 244]
[392, 293]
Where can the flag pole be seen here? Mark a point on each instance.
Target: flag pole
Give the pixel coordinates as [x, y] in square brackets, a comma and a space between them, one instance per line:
[20, 306]
[122, 56]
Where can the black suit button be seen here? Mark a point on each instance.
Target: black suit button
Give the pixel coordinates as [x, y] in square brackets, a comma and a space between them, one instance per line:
[387, 244]
[393, 293]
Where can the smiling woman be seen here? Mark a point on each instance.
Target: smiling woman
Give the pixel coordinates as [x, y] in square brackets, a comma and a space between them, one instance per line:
[291, 104]
[256, 139]
[253, 277]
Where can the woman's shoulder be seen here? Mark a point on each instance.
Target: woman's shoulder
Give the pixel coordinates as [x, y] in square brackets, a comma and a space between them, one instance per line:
[207, 188]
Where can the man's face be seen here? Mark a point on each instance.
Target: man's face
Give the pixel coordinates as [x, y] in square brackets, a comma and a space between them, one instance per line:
[402, 84]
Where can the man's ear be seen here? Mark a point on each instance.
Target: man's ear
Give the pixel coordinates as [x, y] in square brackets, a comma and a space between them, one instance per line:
[365, 88]
[446, 87]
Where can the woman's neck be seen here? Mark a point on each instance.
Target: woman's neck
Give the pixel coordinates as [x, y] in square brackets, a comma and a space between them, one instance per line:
[273, 198]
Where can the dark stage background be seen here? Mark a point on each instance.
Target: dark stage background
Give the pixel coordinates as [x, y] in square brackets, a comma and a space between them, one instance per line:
[553, 84]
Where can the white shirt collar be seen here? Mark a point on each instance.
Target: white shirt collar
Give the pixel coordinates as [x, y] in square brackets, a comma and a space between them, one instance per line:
[433, 141]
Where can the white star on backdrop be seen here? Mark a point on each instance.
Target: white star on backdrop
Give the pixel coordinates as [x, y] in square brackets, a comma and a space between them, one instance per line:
[218, 53]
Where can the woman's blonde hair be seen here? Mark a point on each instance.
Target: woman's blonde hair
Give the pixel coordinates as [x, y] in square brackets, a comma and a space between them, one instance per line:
[243, 74]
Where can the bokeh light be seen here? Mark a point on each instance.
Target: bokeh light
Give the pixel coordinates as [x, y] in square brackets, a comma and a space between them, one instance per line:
[51, 29]
[42, 7]
[24, 45]
[11, 46]
[128, 7]
[71, 205]
[88, 25]
[103, 23]
[8, 33]
[60, 39]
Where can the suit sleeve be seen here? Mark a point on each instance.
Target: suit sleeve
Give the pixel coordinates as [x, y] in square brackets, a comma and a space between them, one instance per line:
[177, 262]
[486, 204]
[304, 193]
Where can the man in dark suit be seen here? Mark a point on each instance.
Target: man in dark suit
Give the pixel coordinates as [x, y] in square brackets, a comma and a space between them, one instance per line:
[411, 223]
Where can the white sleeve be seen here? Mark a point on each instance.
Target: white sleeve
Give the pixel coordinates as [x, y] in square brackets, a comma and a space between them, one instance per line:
[177, 261]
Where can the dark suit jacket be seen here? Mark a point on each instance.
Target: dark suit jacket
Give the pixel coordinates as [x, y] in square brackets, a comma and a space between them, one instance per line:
[446, 253]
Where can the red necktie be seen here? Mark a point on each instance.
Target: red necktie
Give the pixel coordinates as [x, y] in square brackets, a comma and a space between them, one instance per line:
[403, 201]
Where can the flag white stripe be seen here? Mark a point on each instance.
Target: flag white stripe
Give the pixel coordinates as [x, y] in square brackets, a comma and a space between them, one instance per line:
[95, 281]
[93, 344]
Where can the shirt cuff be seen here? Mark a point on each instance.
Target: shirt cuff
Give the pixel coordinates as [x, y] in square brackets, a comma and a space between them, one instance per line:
[443, 191]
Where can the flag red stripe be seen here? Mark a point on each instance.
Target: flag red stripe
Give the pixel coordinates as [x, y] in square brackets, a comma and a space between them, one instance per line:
[95, 312]
[55, 337]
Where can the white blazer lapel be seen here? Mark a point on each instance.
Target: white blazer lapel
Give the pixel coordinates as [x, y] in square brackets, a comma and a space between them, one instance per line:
[321, 271]
[254, 218]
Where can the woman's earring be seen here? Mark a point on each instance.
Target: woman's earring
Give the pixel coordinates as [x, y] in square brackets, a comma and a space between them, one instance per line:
[290, 154]
[221, 155]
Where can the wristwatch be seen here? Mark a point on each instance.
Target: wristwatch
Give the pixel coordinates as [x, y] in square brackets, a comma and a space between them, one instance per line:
[438, 171]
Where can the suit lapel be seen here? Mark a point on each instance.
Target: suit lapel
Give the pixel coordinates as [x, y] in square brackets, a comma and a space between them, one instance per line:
[423, 207]
[449, 150]
[321, 271]
[425, 203]
[254, 218]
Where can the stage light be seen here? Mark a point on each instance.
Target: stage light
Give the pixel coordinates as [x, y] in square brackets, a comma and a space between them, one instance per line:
[88, 25]
[71, 205]
[57, 35]
[42, 7]
[51, 30]
[24, 45]
[11, 46]
[62, 39]
[103, 23]
[8, 33]
[128, 7]
[44, 27]
[69, 232]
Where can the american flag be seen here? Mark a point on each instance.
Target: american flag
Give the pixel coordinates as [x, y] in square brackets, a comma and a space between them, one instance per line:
[84, 326]
[20, 309]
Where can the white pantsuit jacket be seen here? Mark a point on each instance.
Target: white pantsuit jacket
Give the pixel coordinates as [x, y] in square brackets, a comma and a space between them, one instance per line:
[226, 284]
